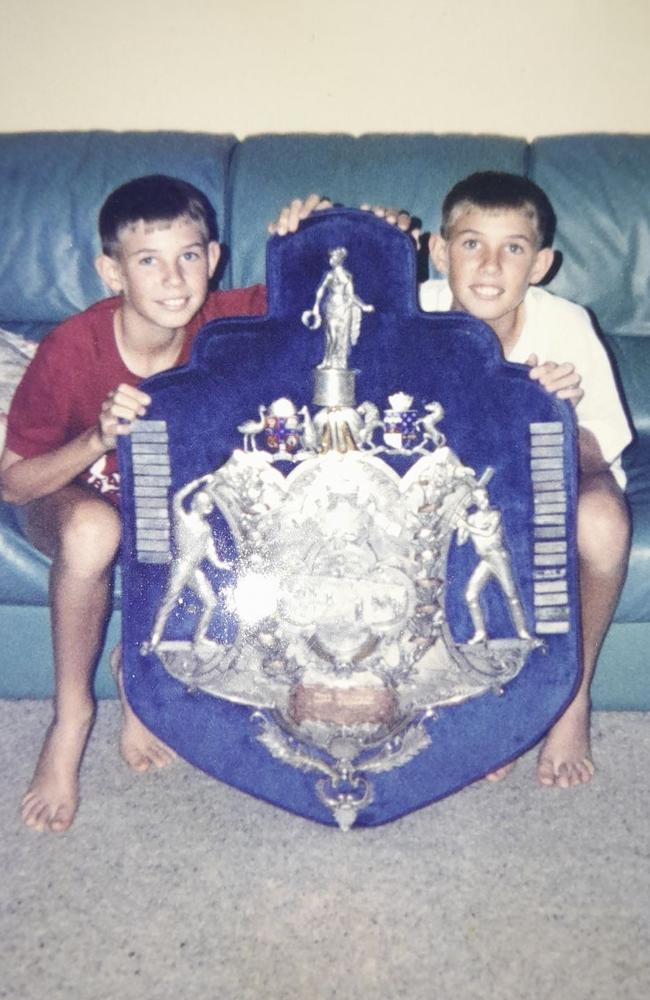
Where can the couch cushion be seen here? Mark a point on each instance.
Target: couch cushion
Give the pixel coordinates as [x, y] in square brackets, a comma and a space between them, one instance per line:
[631, 356]
[52, 185]
[598, 185]
[632, 359]
[635, 599]
[23, 571]
[15, 354]
[409, 171]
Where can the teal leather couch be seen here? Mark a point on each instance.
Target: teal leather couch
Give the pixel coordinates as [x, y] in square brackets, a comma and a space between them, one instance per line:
[52, 185]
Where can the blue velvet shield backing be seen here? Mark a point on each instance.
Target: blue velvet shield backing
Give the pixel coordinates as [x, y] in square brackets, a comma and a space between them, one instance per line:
[489, 405]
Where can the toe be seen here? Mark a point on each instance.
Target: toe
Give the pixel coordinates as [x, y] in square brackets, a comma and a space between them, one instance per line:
[568, 774]
[574, 773]
[156, 757]
[149, 755]
[546, 772]
[28, 801]
[584, 771]
[161, 755]
[136, 760]
[35, 814]
[62, 820]
[588, 769]
[30, 804]
[500, 773]
[564, 776]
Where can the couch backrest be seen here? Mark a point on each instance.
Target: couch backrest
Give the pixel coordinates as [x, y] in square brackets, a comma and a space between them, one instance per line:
[600, 188]
[52, 185]
[401, 171]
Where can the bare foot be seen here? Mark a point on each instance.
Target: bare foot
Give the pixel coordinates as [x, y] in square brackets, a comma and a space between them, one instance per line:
[565, 757]
[501, 772]
[52, 798]
[139, 747]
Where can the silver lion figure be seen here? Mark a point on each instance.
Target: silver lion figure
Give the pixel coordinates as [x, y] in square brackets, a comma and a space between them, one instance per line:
[342, 308]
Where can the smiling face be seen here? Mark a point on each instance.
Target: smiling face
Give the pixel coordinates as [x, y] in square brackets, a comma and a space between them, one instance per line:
[162, 270]
[490, 259]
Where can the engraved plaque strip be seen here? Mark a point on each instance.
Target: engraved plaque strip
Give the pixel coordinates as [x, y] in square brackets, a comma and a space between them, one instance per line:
[550, 594]
[152, 477]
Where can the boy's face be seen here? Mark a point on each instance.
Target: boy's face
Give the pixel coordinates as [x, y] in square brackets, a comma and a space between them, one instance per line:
[490, 260]
[162, 270]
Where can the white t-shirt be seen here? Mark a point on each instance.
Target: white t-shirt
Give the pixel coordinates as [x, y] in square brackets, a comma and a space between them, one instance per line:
[558, 330]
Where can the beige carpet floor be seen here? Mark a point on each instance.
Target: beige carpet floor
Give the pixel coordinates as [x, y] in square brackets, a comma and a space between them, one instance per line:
[173, 885]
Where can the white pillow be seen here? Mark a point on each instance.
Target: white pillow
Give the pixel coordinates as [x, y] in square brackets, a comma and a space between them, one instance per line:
[15, 354]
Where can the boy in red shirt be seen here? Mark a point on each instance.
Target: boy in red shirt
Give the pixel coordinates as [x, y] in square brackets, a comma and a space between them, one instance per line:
[78, 395]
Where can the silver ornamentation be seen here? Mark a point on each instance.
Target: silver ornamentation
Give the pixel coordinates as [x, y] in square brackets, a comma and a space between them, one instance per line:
[251, 428]
[343, 309]
[195, 545]
[334, 381]
[338, 594]
[483, 525]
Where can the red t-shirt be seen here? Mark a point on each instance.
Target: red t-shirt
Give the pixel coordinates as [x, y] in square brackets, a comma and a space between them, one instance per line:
[75, 368]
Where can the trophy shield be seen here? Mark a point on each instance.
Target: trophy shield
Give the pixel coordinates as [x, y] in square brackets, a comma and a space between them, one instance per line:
[349, 558]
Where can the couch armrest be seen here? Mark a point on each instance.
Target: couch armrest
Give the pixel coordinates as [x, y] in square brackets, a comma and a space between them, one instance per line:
[23, 570]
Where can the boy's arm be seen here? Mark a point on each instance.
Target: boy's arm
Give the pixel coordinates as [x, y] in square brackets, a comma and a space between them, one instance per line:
[25, 479]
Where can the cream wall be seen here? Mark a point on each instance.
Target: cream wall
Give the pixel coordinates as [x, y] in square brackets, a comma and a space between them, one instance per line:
[504, 66]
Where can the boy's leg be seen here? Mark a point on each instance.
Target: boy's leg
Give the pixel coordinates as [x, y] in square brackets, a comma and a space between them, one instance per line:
[139, 747]
[80, 533]
[603, 549]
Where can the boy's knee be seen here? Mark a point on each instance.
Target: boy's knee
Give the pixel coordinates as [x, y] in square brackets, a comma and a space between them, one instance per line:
[603, 525]
[89, 535]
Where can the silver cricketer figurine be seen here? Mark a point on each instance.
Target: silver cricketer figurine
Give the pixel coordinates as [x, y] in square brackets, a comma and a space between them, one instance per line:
[485, 529]
[194, 543]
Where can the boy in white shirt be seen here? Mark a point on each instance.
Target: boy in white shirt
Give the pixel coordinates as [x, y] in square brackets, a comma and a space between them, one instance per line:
[494, 247]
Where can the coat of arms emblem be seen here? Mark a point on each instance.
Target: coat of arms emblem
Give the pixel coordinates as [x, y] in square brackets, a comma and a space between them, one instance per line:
[338, 574]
